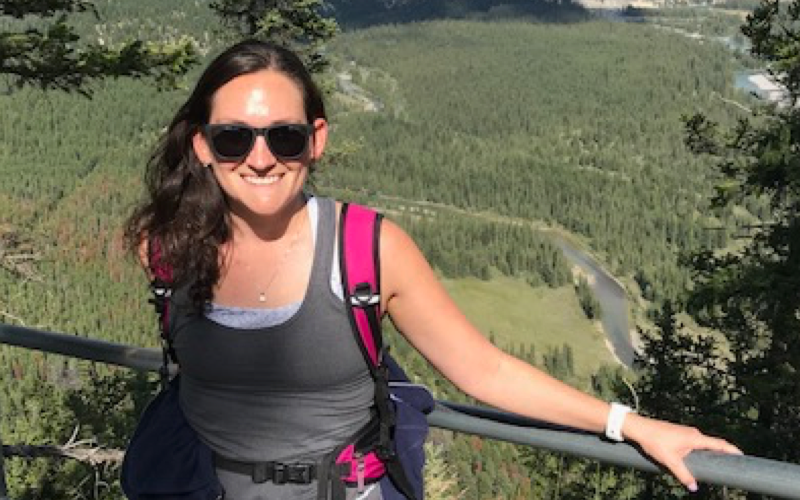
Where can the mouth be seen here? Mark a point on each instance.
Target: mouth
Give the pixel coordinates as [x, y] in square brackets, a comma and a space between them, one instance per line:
[261, 181]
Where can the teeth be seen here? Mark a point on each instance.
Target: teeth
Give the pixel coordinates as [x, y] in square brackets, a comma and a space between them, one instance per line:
[262, 181]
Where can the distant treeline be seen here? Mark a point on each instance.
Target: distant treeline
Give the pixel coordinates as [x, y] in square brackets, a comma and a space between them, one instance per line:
[461, 247]
[352, 14]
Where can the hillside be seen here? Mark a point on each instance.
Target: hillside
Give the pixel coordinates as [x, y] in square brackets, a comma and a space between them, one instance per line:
[516, 119]
[572, 126]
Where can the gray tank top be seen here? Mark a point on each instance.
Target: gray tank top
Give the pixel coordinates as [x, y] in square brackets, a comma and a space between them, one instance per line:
[289, 392]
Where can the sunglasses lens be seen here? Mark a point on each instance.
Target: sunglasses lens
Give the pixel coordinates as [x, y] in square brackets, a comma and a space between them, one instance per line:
[231, 141]
[288, 141]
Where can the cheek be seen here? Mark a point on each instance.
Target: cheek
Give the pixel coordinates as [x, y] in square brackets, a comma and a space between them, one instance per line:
[222, 175]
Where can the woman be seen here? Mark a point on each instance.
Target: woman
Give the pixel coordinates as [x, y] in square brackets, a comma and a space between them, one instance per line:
[270, 368]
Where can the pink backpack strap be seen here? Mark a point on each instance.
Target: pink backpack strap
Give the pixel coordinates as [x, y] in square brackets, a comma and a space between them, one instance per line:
[161, 289]
[157, 265]
[161, 285]
[359, 261]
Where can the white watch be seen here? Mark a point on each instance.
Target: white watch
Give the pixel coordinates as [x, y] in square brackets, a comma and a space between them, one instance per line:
[616, 417]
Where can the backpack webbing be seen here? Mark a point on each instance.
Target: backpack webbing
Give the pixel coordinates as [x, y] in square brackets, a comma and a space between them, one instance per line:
[359, 262]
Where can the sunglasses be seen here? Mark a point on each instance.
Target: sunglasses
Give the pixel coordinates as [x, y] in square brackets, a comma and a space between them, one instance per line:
[231, 142]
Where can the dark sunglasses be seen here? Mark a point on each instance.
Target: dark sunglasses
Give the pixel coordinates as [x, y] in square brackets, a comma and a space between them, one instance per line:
[231, 142]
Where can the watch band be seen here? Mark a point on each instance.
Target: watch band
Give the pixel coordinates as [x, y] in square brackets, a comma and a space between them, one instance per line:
[616, 417]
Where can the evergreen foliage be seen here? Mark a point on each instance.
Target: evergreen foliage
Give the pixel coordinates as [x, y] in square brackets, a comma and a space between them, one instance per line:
[462, 247]
[40, 47]
[682, 377]
[743, 383]
[587, 299]
[297, 24]
[751, 295]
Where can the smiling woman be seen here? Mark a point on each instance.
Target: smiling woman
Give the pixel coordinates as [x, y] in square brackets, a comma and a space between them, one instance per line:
[272, 378]
[234, 162]
[262, 174]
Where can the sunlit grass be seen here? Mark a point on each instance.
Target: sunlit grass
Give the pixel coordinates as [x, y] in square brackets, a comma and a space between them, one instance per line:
[512, 313]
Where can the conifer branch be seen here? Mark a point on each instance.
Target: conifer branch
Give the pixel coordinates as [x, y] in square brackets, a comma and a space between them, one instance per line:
[77, 451]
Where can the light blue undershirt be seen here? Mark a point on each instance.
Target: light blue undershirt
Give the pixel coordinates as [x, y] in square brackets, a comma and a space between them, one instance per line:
[256, 317]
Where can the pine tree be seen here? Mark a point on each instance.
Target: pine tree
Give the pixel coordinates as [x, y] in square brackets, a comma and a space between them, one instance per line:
[752, 296]
[42, 49]
[298, 24]
[746, 388]
[680, 379]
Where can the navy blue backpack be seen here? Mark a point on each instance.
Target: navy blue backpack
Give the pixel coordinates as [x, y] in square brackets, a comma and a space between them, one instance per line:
[166, 460]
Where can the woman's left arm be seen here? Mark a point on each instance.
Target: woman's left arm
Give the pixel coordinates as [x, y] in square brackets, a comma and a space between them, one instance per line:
[423, 311]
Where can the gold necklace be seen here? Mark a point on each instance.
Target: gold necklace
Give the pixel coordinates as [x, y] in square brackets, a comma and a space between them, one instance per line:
[262, 294]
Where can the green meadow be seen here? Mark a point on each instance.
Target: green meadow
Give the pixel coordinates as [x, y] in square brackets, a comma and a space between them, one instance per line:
[512, 314]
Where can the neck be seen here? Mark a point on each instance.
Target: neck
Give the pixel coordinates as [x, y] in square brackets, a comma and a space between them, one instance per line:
[268, 228]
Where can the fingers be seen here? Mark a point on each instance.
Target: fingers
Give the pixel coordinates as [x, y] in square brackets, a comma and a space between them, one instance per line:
[720, 445]
[682, 474]
[672, 443]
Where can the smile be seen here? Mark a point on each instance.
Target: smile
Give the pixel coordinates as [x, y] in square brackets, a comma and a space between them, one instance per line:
[262, 181]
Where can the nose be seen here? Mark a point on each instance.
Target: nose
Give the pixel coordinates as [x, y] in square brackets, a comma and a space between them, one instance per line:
[260, 156]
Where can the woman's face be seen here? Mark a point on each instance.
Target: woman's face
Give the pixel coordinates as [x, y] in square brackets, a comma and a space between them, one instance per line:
[267, 179]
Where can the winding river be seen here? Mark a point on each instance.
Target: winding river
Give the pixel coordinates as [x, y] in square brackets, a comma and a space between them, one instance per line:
[609, 293]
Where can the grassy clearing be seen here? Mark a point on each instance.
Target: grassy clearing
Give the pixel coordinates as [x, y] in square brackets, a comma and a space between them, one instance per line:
[514, 313]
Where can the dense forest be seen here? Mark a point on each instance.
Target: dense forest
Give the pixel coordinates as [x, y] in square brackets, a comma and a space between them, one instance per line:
[544, 129]
[477, 123]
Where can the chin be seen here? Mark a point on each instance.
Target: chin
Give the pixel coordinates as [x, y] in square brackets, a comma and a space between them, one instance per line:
[263, 209]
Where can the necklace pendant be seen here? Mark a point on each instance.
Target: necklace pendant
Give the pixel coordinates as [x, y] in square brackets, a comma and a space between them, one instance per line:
[262, 297]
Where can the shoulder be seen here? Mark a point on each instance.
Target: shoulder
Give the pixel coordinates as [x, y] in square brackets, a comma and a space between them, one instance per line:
[395, 239]
[402, 262]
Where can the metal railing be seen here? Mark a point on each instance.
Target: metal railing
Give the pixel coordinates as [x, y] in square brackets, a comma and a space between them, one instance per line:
[754, 474]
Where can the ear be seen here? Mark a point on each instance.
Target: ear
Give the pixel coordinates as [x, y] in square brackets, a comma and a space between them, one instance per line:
[319, 138]
[201, 149]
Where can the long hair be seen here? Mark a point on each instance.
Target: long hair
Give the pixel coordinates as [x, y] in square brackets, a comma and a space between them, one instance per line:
[186, 215]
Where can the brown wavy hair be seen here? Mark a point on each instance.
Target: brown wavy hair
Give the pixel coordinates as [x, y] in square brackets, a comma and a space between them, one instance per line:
[185, 214]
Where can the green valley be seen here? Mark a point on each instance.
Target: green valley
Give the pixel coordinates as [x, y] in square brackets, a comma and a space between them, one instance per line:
[489, 130]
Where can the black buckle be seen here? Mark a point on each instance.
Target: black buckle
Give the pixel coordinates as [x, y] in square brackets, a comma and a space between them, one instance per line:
[277, 472]
[363, 296]
[262, 472]
[281, 473]
[300, 473]
[161, 292]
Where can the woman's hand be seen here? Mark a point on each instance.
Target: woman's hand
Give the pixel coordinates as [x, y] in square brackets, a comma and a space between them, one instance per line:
[669, 444]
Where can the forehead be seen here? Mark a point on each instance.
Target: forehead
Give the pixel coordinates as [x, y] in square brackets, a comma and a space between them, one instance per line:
[264, 95]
